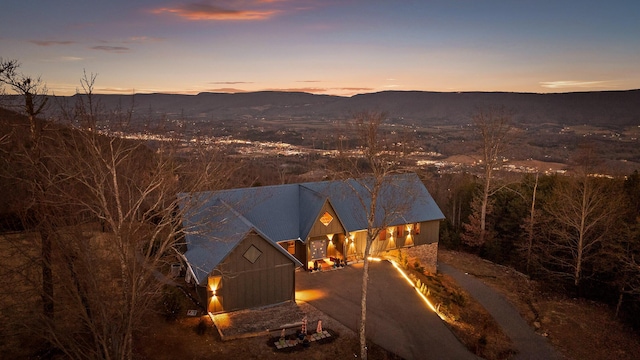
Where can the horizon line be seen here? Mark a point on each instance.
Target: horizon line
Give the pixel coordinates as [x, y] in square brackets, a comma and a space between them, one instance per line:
[194, 93]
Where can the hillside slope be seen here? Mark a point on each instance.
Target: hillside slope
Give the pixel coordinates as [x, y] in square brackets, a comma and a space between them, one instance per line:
[615, 109]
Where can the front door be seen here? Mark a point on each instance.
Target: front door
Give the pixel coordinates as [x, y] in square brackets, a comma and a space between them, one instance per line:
[318, 249]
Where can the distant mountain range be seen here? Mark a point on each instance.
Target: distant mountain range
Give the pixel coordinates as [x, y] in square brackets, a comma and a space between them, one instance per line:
[607, 108]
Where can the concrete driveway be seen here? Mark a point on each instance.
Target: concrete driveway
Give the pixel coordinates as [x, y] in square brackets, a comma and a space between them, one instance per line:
[397, 318]
[530, 346]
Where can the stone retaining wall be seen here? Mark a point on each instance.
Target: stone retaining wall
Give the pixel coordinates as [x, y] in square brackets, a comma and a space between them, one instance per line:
[427, 255]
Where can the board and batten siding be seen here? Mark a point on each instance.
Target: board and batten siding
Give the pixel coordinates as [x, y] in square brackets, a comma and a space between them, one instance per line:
[268, 280]
[429, 233]
[334, 227]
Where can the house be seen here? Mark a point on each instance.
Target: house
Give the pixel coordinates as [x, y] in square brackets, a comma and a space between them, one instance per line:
[244, 245]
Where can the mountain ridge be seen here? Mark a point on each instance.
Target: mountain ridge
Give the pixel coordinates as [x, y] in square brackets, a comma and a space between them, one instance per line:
[616, 108]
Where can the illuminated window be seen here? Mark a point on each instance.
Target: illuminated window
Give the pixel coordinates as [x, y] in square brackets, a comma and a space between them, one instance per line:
[252, 254]
[291, 247]
[326, 219]
[382, 236]
[416, 228]
[399, 231]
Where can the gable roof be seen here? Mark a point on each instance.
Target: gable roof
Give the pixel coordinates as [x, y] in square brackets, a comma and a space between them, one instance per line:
[216, 222]
[310, 203]
[213, 231]
[402, 199]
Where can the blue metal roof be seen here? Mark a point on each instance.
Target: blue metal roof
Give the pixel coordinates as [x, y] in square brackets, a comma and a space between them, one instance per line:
[215, 222]
[211, 233]
[212, 230]
[310, 203]
[402, 199]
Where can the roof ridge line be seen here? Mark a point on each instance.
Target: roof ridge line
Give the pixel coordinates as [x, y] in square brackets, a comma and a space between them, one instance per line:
[320, 195]
[238, 214]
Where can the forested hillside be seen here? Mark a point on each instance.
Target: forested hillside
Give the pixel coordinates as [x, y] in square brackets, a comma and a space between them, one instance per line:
[613, 109]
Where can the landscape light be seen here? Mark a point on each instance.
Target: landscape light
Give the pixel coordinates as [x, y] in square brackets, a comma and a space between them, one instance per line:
[308, 295]
[426, 300]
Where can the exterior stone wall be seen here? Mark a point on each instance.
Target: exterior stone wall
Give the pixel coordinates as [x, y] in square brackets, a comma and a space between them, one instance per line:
[427, 255]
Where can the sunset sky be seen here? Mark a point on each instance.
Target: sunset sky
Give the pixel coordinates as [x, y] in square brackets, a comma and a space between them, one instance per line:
[340, 47]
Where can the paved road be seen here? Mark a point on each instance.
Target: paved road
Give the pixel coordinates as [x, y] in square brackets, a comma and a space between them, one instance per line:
[529, 344]
[397, 319]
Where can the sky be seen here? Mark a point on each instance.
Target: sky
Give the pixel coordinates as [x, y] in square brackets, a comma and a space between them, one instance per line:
[333, 47]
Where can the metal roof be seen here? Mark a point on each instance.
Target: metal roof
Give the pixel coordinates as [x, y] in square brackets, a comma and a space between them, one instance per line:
[215, 222]
[211, 233]
[402, 199]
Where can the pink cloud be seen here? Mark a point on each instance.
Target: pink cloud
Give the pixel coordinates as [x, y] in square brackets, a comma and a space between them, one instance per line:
[355, 89]
[302, 89]
[142, 39]
[51, 42]
[207, 11]
[226, 90]
[230, 82]
[116, 49]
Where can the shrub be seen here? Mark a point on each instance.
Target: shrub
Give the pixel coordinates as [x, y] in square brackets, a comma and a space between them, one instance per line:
[171, 304]
[201, 328]
[458, 298]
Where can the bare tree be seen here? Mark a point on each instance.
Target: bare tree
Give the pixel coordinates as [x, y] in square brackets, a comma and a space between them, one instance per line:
[32, 90]
[493, 125]
[582, 216]
[623, 253]
[623, 257]
[112, 220]
[131, 194]
[529, 225]
[122, 222]
[368, 168]
[474, 235]
[31, 100]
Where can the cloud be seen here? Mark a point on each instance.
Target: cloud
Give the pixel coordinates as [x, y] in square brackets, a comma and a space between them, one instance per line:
[116, 49]
[574, 84]
[71, 58]
[226, 90]
[51, 42]
[112, 90]
[230, 82]
[142, 39]
[203, 11]
[63, 59]
[355, 89]
[308, 81]
[312, 90]
[303, 89]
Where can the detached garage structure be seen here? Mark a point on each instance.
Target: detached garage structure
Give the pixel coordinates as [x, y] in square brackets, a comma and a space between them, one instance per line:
[232, 264]
[243, 246]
